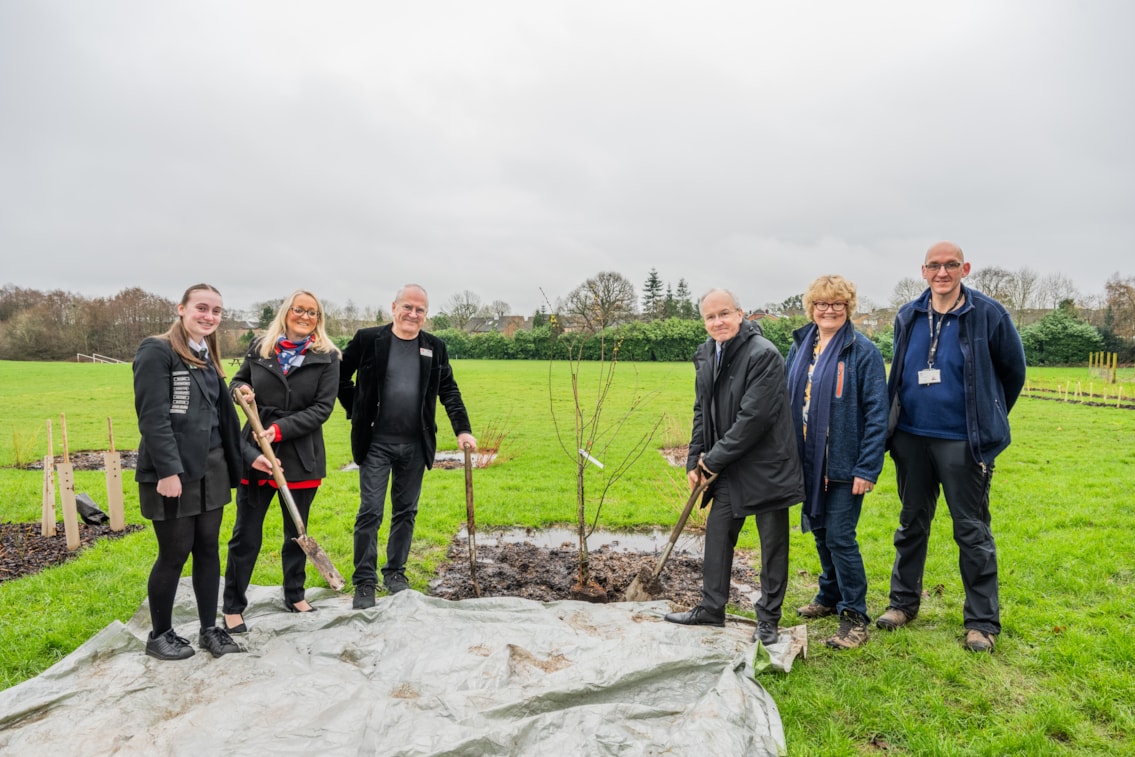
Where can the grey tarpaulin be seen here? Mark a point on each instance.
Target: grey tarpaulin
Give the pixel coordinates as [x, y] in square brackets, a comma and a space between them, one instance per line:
[415, 675]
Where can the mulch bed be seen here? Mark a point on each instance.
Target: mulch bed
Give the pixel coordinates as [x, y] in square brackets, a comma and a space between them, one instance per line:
[88, 460]
[23, 551]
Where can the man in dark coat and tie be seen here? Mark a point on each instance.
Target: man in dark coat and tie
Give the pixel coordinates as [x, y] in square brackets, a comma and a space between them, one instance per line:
[743, 432]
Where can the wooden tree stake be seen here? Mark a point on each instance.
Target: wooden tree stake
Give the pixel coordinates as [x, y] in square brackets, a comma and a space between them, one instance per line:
[47, 520]
[112, 462]
[66, 474]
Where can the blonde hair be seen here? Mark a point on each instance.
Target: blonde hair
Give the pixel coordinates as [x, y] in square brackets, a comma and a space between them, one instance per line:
[279, 327]
[832, 288]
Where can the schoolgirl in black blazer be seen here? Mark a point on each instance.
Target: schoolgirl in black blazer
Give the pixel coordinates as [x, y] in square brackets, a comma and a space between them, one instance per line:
[189, 458]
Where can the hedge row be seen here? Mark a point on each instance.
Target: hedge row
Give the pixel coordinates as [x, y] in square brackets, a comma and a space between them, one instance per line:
[671, 340]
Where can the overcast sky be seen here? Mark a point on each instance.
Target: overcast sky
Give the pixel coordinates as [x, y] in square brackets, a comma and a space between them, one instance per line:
[509, 147]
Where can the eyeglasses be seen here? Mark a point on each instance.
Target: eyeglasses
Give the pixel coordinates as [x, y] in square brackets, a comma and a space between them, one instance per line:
[719, 316]
[412, 309]
[304, 311]
[952, 266]
[835, 307]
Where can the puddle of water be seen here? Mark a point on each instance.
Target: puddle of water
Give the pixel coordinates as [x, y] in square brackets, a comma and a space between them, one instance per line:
[449, 460]
[651, 542]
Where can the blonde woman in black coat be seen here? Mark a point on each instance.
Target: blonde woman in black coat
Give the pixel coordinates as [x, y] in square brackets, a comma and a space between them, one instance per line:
[189, 458]
[293, 373]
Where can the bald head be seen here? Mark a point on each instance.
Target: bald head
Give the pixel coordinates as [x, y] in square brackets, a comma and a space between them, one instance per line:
[948, 249]
[943, 269]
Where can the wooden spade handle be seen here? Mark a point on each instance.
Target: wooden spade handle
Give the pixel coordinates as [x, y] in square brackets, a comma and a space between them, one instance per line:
[681, 524]
[253, 416]
[50, 443]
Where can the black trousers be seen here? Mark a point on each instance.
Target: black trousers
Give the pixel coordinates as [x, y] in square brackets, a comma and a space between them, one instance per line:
[923, 466]
[248, 536]
[721, 532]
[402, 466]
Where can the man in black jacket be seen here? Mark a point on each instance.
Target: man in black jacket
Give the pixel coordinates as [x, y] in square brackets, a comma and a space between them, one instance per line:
[743, 432]
[402, 372]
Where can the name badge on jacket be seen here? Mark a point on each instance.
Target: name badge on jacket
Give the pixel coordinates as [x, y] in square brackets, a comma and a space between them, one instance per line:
[425, 352]
[179, 394]
[929, 376]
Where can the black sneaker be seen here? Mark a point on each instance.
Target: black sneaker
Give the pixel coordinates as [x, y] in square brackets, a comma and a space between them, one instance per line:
[364, 597]
[168, 646]
[396, 582]
[217, 642]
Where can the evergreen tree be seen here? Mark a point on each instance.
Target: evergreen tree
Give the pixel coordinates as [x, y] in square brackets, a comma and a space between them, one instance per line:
[1060, 338]
[686, 309]
[652, 296]
[669, 304]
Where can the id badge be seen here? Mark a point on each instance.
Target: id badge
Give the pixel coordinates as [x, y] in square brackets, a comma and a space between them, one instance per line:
[929, 376]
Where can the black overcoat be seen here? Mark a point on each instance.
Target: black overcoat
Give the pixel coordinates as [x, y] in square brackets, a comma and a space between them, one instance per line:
[299, 403]
[742, 424]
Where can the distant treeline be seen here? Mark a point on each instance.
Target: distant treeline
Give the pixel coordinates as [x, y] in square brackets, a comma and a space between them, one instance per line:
[59, 325]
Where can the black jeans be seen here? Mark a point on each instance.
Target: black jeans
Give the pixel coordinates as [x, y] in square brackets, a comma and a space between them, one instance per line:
[406, 463]
[923, 466]
[721, 532]
[248, 535]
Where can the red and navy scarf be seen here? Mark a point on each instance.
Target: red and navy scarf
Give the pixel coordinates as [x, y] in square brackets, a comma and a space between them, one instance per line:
[287, 351]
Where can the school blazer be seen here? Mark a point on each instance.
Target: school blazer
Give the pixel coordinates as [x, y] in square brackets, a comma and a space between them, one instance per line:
[175, 418]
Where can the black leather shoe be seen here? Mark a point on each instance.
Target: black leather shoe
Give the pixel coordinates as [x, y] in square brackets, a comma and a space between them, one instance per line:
[290, 606]
[168, 646]
[699, 616]
[364, 597]
[216, 641]
[238, 629]
[766, 633]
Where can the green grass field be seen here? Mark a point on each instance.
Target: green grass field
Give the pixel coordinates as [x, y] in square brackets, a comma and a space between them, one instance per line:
[1062, 680]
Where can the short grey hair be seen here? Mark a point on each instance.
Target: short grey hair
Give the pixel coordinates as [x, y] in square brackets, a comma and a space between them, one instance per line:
[732, 297]
[402, 290]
